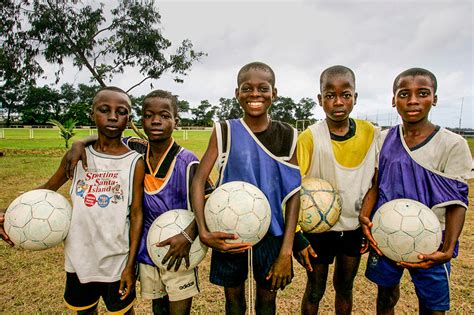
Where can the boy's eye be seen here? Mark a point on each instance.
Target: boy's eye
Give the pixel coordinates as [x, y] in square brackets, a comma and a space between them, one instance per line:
[403, 94]
[329, 96]
[264, 89]
[122, 111]
[146, 116]
[347, 95]
[103, 109]
[424, 93]
[246, 89]
[165, 116]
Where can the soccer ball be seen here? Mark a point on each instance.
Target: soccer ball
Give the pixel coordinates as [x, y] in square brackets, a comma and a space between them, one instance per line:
[167, 225]
[38, 219]
[320, 205]
[405, 228]
[239, 208]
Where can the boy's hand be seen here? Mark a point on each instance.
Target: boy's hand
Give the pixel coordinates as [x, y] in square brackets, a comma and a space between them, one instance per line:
[366, 225]
[217, 240]
[303, 257]
[179, 249]
[428, 260]
[127, 282]
[3, 234]
[280, 273]
[73, 156]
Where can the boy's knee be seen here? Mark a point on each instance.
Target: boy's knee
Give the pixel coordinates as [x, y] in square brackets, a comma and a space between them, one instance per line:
[387, 297]
[315, 294]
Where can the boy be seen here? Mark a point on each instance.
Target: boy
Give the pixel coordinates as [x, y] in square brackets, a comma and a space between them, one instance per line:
[168, 170]
[427, 163]
[104, 234]
[260, 151]
[342, 151]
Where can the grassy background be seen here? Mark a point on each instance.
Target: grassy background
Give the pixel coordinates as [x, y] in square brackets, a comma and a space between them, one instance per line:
[33, 282]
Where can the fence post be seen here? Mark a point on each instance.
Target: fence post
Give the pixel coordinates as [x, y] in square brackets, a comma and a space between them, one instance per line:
[2, 133]
[32, 136]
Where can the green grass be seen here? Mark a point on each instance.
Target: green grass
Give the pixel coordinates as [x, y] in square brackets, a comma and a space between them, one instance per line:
[470, 142]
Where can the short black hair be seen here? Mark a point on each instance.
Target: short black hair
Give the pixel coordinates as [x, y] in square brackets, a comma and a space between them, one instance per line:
[336, 70]
[110, 88]
[164, 94]
[414, 72]
[256, 65]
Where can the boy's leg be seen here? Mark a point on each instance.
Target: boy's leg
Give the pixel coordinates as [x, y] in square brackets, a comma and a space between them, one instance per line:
[181, 307]
[325, 245]
[345, 272]
[432, 288]
[315, 288]
[161, 306]
[235, 300]
[387, 298]
[265, 302]
[230, 271]
[81, 297]
[348, 247]
[181, 286]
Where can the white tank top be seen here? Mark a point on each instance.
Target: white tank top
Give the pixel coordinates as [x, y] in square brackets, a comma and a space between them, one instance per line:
[97, 244]
[351, 183]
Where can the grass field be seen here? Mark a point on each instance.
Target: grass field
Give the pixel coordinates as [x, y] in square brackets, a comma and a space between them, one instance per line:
[33, 282]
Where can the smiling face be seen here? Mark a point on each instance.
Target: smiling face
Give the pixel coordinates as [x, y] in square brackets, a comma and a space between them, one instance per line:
[158, 119]
[111, 112]
[414, 97]
[337, 96]
[255, 92]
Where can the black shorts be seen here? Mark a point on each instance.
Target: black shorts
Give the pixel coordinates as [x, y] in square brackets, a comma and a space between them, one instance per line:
[85, 296]
[230, 270]
[328, 245]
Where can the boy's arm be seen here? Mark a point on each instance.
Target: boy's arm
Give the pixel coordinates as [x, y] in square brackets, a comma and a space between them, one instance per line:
[368, 204]
[54, 183]
[455, 216]
[78, 153]
[216, 240]
[127, 280]
[304, 152]
[281, 270]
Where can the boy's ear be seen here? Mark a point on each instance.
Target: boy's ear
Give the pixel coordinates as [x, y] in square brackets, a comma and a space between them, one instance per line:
[236, 92]
[274, 93]
[355, 97]
[320, 100]
[176, 123]
[435, 100]
[393, 102]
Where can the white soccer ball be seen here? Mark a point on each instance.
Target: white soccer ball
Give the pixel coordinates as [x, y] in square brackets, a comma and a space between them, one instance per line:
[239, 208]
[320, 205]
[38, 219]
[405, 228]
[167, 225]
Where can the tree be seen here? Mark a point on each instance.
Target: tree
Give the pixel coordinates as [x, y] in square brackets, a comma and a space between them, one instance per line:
[183, 106]
[282, 109]
[66, 130]
[79, 108]
[228, 108]
[18, 67]
[304, 108]
[108, 44]
[40, 104]
[203, 114]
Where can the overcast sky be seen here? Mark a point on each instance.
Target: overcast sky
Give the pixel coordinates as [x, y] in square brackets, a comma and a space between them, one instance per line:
[299, 39]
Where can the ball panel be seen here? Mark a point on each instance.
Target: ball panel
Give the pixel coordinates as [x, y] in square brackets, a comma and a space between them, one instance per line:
[411, 238]
[168, 225]
[35, 223]
[242, 210]
[320, 205]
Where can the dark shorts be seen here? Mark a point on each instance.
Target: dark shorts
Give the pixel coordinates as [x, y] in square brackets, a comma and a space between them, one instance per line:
[85, 296]
[431, 285]
[328, 245]
[230, 270]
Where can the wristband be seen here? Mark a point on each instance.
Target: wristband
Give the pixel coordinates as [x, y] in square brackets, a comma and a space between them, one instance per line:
[190, 240]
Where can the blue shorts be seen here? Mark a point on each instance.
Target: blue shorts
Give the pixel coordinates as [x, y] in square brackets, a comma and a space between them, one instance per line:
[230, 270]
[85, 296]
[431, 285]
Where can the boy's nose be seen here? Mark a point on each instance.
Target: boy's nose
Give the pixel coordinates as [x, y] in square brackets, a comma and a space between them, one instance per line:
[412, 99]
[113, 116]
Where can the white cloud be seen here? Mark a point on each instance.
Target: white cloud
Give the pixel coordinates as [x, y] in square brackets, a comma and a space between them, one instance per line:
[299, 39]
